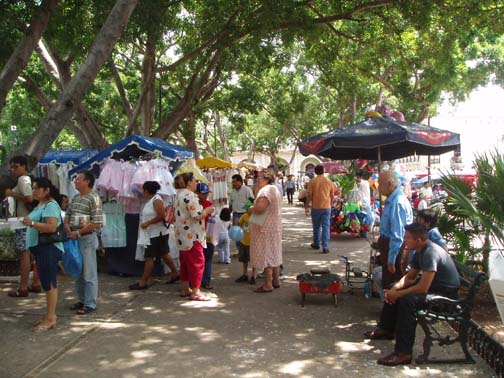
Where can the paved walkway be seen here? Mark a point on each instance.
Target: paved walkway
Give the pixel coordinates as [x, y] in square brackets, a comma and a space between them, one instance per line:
[238, 334]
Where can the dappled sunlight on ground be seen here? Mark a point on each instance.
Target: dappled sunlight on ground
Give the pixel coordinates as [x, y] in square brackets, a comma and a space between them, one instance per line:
[237, 333]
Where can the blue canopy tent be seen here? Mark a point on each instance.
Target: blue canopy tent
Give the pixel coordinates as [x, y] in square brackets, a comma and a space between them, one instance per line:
[135, 146]
[67, 156]
[122, 261]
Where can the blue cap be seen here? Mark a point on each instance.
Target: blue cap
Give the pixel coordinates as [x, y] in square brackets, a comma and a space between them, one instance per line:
[202, 188]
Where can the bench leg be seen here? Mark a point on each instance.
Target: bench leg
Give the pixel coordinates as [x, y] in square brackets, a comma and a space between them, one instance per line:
[427, 343]
[335, 299]
[463, 342]
[303, 297]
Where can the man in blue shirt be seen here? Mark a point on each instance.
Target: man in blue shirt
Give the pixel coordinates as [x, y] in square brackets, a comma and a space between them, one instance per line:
[397, 213]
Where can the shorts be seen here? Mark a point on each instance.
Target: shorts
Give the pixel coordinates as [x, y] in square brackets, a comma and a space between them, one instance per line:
[21, 240]
[158, 247]
[244, 253]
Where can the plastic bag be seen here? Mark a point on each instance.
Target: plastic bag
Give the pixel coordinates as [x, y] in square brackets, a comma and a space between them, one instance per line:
[72, 258]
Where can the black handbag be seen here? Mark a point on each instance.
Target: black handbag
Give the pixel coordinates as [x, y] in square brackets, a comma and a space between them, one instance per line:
[54, 237]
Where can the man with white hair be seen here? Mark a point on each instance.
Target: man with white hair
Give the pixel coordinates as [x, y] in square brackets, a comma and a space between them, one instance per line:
[397, 213]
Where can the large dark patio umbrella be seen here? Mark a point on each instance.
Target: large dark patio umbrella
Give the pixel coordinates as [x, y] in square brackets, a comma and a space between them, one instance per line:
[380, 139]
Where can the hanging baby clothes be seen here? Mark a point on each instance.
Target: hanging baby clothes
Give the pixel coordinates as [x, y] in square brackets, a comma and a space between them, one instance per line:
[114, 232]
[219, 186]
[110, 179]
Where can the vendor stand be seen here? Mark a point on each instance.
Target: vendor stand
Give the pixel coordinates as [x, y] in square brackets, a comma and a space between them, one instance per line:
[122, 204]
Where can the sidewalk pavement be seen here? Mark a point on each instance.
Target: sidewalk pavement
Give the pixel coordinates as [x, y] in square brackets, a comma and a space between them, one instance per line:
[155, 333]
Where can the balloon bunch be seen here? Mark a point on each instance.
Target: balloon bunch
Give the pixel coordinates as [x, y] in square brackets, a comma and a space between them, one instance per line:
[386, 111]
[348, 218]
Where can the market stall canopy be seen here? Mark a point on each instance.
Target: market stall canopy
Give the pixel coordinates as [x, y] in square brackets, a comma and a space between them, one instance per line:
[190, 165]
[334, 167]
[135, 146]
[213, 162]
[67, 156]
[380, 139]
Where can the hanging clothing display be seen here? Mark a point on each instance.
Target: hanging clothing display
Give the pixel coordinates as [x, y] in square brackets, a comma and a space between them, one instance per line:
[113, 233]
[125, 180]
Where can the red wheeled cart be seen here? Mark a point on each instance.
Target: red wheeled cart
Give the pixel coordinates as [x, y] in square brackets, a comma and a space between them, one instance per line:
[309, 284]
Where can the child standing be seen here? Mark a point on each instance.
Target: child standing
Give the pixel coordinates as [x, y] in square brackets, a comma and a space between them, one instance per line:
[244, 250]
[203, 191]
[222, 226]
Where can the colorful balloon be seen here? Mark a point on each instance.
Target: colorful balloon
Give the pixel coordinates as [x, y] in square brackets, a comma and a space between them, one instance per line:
[384, 110]
[398, 116]
[361, 163]
[372, 114]
[236, 233]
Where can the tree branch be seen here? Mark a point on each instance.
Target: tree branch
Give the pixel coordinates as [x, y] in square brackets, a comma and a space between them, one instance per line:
[22, 53]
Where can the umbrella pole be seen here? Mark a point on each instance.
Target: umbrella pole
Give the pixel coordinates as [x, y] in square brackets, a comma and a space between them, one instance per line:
[379, 172]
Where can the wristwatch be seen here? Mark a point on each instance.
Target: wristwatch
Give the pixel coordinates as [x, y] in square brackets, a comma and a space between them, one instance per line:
[32, 223]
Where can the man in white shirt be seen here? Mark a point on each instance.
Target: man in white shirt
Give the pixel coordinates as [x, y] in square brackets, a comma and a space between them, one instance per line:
[363, 188]
[22, 194]
[239, 196]
[365, 193]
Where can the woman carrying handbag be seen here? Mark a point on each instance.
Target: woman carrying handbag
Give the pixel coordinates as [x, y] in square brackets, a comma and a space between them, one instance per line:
[44, 220]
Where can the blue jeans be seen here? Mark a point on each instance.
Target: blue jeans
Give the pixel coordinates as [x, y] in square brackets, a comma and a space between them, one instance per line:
[321, 220]
[86, 285]
[207, 273]
[223, 248]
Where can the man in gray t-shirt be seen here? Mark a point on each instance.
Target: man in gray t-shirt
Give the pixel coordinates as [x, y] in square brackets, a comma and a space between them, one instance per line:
[398, 316]
[435, 259]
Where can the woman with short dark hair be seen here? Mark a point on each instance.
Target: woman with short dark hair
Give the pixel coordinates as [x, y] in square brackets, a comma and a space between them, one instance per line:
[45, 219]
[190, 235]
[152, 222]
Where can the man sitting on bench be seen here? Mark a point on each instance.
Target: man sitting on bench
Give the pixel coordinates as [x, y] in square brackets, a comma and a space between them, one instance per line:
[398, 319]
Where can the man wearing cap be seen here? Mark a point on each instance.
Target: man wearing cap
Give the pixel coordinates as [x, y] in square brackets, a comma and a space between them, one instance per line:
[239, 195]
[321, 192]
[203, 191]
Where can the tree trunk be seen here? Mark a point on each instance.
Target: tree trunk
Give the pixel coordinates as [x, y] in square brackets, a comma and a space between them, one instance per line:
[120, 88]
[199, 87]
[207, 142]
[189, 133]
[84, 128]
[222, 136]
[74, 92]
[21, 55]
[46, 102]
[148, 79]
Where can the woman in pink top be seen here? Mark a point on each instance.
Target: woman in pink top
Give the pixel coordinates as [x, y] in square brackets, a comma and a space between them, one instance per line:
[265, 228]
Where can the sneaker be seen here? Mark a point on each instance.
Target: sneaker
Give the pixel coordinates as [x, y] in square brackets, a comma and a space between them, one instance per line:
[252, 281]
[325, 250]
[314, 246]
[241, 279]
[282, 277]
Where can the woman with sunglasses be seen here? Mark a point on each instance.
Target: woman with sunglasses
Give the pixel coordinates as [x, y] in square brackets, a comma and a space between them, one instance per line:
[45, 218]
